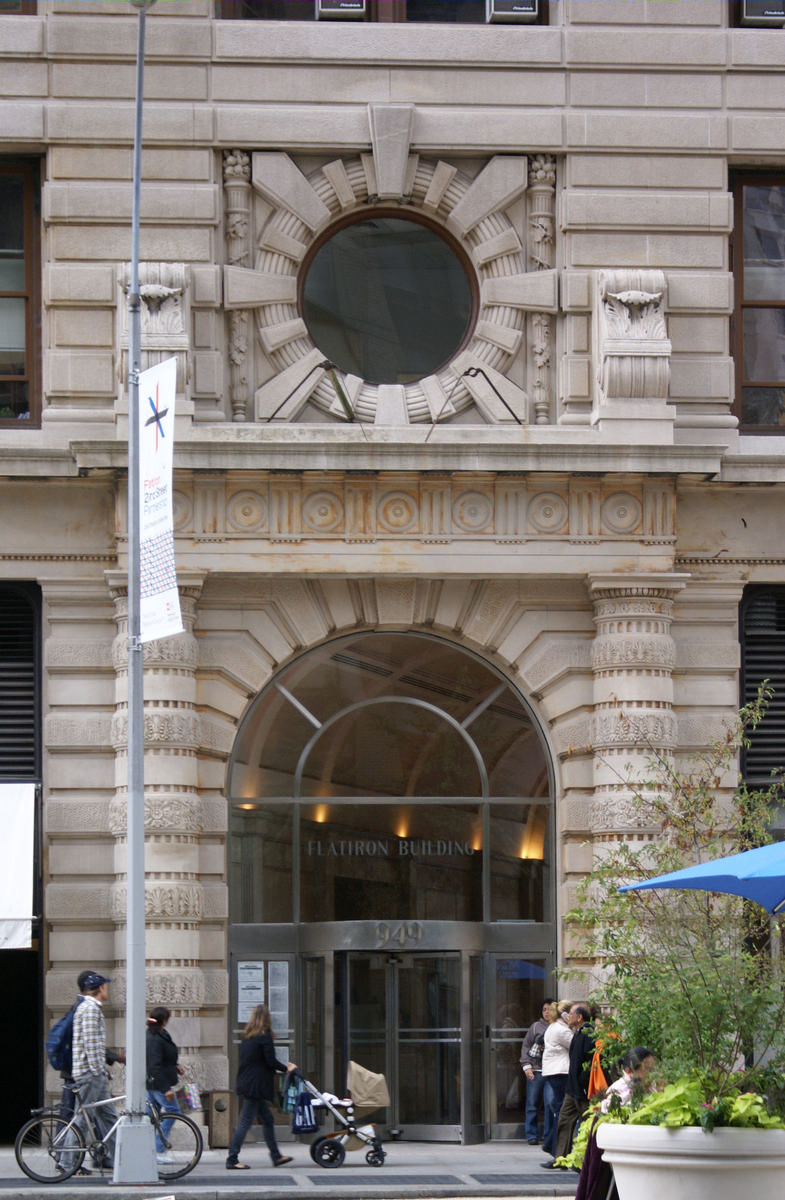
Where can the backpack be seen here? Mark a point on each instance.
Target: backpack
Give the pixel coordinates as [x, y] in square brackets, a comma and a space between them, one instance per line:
[59, 1042]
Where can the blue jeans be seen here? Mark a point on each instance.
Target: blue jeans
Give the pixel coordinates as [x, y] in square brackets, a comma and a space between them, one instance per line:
[553, 1095]
[159, 1101]
[250, 1110]
[534, 1090]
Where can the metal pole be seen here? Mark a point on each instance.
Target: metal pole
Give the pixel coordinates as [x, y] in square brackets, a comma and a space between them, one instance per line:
[134, 1160]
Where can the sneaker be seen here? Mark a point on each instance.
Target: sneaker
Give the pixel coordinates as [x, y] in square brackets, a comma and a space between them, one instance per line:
[164, 1158]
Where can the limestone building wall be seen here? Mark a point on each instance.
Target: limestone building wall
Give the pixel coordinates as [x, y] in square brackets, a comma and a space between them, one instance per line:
[583, 510]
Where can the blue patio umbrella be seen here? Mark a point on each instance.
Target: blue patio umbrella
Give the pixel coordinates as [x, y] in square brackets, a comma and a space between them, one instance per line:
[757, 875]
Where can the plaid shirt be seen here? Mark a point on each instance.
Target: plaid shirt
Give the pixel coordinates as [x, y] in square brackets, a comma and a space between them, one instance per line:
[89, 1045]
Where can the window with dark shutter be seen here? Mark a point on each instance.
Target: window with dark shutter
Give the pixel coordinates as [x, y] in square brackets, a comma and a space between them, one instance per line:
[19, 742]
[763, 657]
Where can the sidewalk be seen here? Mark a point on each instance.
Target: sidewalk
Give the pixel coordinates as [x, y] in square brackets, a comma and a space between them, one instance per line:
[416, 1169]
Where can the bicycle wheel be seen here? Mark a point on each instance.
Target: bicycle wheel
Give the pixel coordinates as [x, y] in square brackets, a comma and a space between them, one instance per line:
[49, 1149]
[184, 1145]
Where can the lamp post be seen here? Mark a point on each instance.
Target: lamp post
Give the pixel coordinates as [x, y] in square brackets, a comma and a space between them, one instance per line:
[134, 1160]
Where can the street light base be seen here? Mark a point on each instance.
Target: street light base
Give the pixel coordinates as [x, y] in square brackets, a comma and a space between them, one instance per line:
[134, 1152]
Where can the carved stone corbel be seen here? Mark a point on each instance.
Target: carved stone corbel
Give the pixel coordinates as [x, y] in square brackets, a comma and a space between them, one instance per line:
[633, 355]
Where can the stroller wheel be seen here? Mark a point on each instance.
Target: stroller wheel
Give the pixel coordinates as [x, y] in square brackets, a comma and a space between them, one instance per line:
[375, 1158]
[328, 1152]
[313, 1149]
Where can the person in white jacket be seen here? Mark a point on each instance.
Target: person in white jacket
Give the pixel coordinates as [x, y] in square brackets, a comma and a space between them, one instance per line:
[555, 1069]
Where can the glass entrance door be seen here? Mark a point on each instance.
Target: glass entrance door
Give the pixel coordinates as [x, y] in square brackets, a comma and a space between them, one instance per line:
[400, 1014]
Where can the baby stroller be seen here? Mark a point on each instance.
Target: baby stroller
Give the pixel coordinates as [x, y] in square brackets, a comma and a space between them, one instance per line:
[368, 1090]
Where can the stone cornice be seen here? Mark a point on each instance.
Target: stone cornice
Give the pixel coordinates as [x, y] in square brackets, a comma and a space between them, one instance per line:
[413, 450]
[767, 467]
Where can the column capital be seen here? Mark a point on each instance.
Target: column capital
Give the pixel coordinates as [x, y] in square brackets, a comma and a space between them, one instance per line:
[657, 584]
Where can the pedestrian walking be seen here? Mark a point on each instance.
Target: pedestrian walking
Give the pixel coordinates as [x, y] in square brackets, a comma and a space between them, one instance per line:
[163, 1072]
[256, 1087]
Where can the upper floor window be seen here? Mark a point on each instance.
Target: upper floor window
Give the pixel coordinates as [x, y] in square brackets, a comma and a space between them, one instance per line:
[458, 12]
[20, 319]
[17, 6]
[760, 302]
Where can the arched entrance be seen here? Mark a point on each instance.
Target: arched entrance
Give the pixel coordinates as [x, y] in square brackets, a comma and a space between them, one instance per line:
[390, 879]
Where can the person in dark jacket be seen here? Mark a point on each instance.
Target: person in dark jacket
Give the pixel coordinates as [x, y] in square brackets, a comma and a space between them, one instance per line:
[163, 1073]
[256, 1086]
[576, 1099]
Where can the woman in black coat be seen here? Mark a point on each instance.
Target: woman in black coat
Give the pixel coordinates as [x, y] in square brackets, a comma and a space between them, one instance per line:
[256, 1087]
[162, 1072]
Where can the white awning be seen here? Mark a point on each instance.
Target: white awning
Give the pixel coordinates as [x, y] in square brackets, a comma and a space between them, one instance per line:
[17, 823]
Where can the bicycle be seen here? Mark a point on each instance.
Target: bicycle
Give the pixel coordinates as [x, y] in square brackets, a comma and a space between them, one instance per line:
[50, 1149]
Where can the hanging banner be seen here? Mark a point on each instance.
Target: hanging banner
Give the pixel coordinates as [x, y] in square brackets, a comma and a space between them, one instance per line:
[17, 855]
[160, 600]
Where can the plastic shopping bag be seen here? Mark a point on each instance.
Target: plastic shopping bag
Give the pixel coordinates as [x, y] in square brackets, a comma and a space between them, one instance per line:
[597, 1080]
[188, 1098]
[303, 1118]
[287, 1096]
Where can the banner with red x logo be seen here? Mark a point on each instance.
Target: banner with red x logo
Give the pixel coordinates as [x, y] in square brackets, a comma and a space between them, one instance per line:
[160, 600]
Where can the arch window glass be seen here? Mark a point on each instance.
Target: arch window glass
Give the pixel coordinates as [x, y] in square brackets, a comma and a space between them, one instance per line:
[389, 776]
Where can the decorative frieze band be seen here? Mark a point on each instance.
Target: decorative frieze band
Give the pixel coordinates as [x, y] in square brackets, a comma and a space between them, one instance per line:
[163, 813]
[169, 727]
[427, 508]
[163, 901]
[177, 988]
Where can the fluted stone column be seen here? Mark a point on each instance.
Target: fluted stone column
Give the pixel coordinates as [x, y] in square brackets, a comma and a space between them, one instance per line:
[174, 896]
[632, 660]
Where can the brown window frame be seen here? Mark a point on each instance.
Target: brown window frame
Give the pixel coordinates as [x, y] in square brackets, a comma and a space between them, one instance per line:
[739, 180]
[29, 171]
[23, 8]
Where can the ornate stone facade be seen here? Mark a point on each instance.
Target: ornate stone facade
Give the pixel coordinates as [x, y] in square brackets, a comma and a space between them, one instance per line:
[569, 496]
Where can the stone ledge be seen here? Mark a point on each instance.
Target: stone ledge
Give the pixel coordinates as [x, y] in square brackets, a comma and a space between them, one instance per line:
[421, 448]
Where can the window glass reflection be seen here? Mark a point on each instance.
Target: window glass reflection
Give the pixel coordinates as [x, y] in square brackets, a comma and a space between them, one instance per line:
[764, 243]
[260, 868]
[370, 667]
[519, 853]
[399, 863]
[387, 300]
[764, 345]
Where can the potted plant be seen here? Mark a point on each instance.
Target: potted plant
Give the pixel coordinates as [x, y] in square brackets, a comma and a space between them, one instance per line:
[694, 977]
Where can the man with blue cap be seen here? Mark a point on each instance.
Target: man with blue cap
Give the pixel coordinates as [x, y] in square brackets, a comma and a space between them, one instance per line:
[91, 1078]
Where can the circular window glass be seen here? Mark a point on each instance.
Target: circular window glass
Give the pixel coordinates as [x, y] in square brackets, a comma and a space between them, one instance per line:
[387, 299]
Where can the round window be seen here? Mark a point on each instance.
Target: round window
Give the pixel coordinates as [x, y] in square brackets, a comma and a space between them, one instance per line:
[388, 299]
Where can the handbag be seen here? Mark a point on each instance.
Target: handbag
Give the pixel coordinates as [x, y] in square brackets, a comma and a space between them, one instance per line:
[188, 1097]
[303, 1117]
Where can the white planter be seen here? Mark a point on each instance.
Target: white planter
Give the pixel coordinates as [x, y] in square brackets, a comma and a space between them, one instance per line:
[652, 1163]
